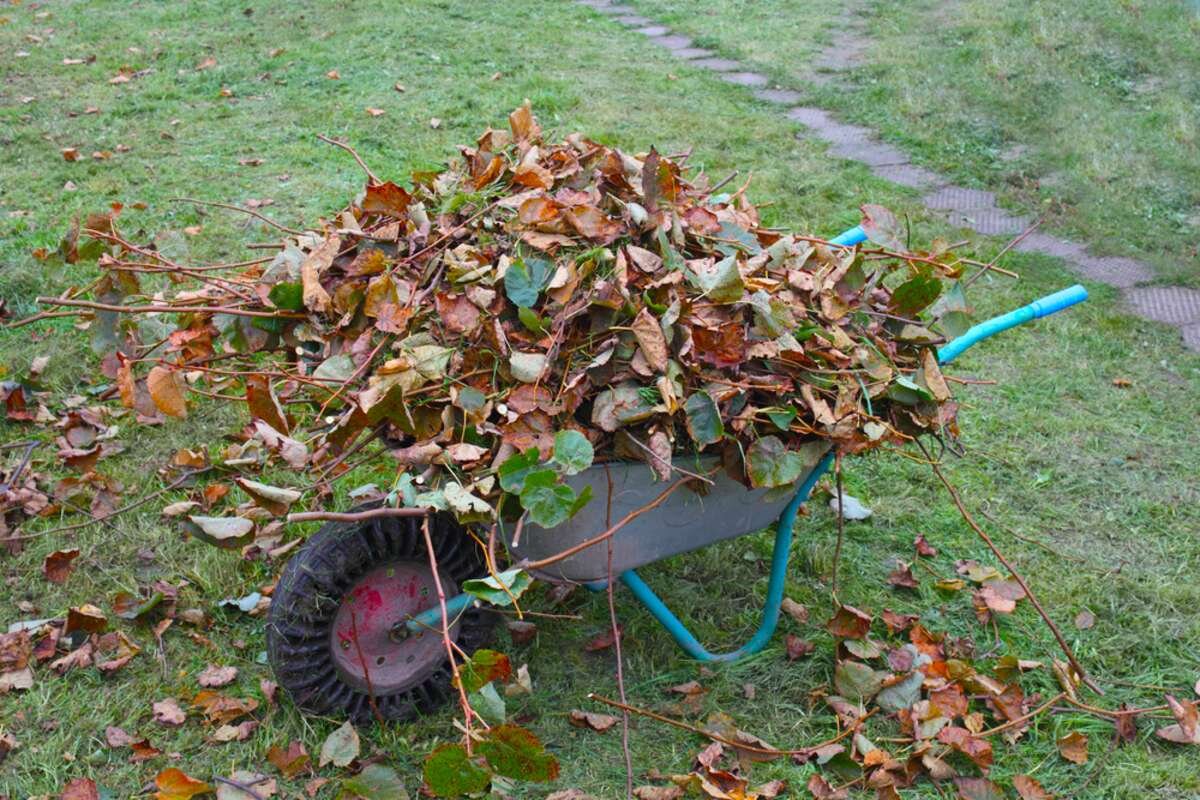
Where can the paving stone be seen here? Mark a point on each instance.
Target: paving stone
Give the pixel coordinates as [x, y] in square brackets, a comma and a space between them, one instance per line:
[959, 198]
[693, 52]
[717, 64]
[1174, 305]
[673, 42]
[634, 20]
[1113, 270]
[654, 30]
[809, 116]
[783, 97]
[1191, 337]
[744, 78]
[908, 175]
[596, 4]
[616, 10]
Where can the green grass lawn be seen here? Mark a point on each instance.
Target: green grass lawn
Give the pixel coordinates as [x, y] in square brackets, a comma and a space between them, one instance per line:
[1087, 111]
[1102, 476]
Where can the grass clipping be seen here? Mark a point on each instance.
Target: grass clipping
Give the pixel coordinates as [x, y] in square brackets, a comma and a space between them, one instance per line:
[534, 308]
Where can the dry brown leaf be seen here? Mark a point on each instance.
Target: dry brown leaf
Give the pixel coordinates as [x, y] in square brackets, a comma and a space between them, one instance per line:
[167, 392]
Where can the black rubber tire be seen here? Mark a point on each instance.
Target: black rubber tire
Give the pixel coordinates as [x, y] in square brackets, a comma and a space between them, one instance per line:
[311, 588]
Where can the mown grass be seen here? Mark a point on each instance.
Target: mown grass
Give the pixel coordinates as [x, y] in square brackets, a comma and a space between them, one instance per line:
[1083, 111]
[1103, 476]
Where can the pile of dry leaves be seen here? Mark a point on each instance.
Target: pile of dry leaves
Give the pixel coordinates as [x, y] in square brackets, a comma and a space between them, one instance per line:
[534, 305]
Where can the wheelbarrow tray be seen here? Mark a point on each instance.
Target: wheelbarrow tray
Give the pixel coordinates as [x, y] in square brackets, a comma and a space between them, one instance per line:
[687, 520]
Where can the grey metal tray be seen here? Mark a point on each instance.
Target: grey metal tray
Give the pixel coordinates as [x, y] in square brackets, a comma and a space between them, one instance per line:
[687, 520]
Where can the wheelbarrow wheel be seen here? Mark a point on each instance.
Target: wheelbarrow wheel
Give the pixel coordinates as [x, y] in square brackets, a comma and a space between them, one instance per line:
[336, 635]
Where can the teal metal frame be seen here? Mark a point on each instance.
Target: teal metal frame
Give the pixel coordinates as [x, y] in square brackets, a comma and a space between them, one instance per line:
[784, 532]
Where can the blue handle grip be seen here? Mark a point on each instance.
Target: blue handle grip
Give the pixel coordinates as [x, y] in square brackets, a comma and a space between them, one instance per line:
[1038, 308]
[1056, 302]
[849, 238]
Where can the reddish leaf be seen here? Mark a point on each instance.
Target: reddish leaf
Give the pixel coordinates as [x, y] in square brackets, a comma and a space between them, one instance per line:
[80, 789]
[386, 198]
[290, 760]
[58, 565]
[604, 640]
[798, 648]
[974, 748]
[924, 548]
[174, 784]
[849, 623]
[597, 722]
[1029, 789]
[978, 789]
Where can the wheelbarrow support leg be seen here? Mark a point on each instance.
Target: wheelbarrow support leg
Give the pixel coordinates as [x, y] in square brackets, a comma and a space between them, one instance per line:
[770, 618]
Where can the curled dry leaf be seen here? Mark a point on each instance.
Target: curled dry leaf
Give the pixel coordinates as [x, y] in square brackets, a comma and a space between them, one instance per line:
[340, 747]
[168, 712]
[587, 719]
[214, 677]
[175, 784]
[166, 392]
[59, 565]
[1074, 747]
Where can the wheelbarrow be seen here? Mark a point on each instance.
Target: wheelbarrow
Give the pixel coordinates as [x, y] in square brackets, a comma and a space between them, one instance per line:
[355, 619]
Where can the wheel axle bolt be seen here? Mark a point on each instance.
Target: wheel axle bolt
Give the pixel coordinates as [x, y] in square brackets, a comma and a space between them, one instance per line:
[345, 644]
[398, 633]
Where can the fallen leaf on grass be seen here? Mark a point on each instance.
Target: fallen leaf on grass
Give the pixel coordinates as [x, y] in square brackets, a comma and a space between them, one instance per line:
[924, 548]
[797, 648]
[86, 618]
[58, 565]
[974, 748]
[290, 760]
[978, 789]
[80, 789]
[902, 577]
[168, 712]
[1084, 620]
[229, 733]
[340, 747]
[658, 792]
[375, 782]
[175, 784]
[273, 498]
[1029, 789]
[1187, 729]
[1074, 747]
[597, 722]
[849, 623]
[70, 153]
[604, 640]
[222, 708]
[797, 611]
[375, 112]
[214, 677]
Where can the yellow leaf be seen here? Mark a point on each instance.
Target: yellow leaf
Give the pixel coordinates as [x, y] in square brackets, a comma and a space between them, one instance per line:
[166, 393]
[174, 784]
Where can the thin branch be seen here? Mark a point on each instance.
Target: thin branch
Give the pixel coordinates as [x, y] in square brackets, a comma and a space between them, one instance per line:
[1012, 723]
[841, 525]
[966, 515]
[468, 712]
[232, 207]
[616, 634]
[80, 525]
[355, 516]
[991, 265]
[750, 748]
[366, 672]
[240, 312]
[370, 175]
[595, 540]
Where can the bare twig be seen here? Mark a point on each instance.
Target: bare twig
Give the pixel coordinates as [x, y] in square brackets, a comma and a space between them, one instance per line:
[353, 152]
[595, 540]
[616, 634]
[355, 516]
[366, 671]
[468, 712]
[162, 309]
[750, 748]
[966, 515]
[841, 525]
[232, 207]
[140, 502]
[241, 787]
[991, 265]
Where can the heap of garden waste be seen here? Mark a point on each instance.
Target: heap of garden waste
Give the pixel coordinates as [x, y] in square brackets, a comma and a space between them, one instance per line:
[531, 309]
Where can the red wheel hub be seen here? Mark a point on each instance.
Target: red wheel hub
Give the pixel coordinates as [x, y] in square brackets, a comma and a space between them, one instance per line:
[372, 648]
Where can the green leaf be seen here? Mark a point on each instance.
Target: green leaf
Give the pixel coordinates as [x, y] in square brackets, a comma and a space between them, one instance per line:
[722, 283]
[375, 782]
[582, 500]
[488, 703]
[483, 667]
[548, 502]
[904, 390]
[780, 417]
[336, 368]
[524, 280]
[340, 747]
[911, 297]
[856, 681]
[572, 451]
[771, 464]
[703, 419]
[449, 772]
[744, 239]
[516, 753]
[531, 320]
[287, 296]
[516, 468]
[670, 256]
[490, 589]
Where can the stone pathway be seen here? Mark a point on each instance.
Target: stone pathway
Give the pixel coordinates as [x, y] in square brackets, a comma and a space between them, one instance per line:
[973, 209]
